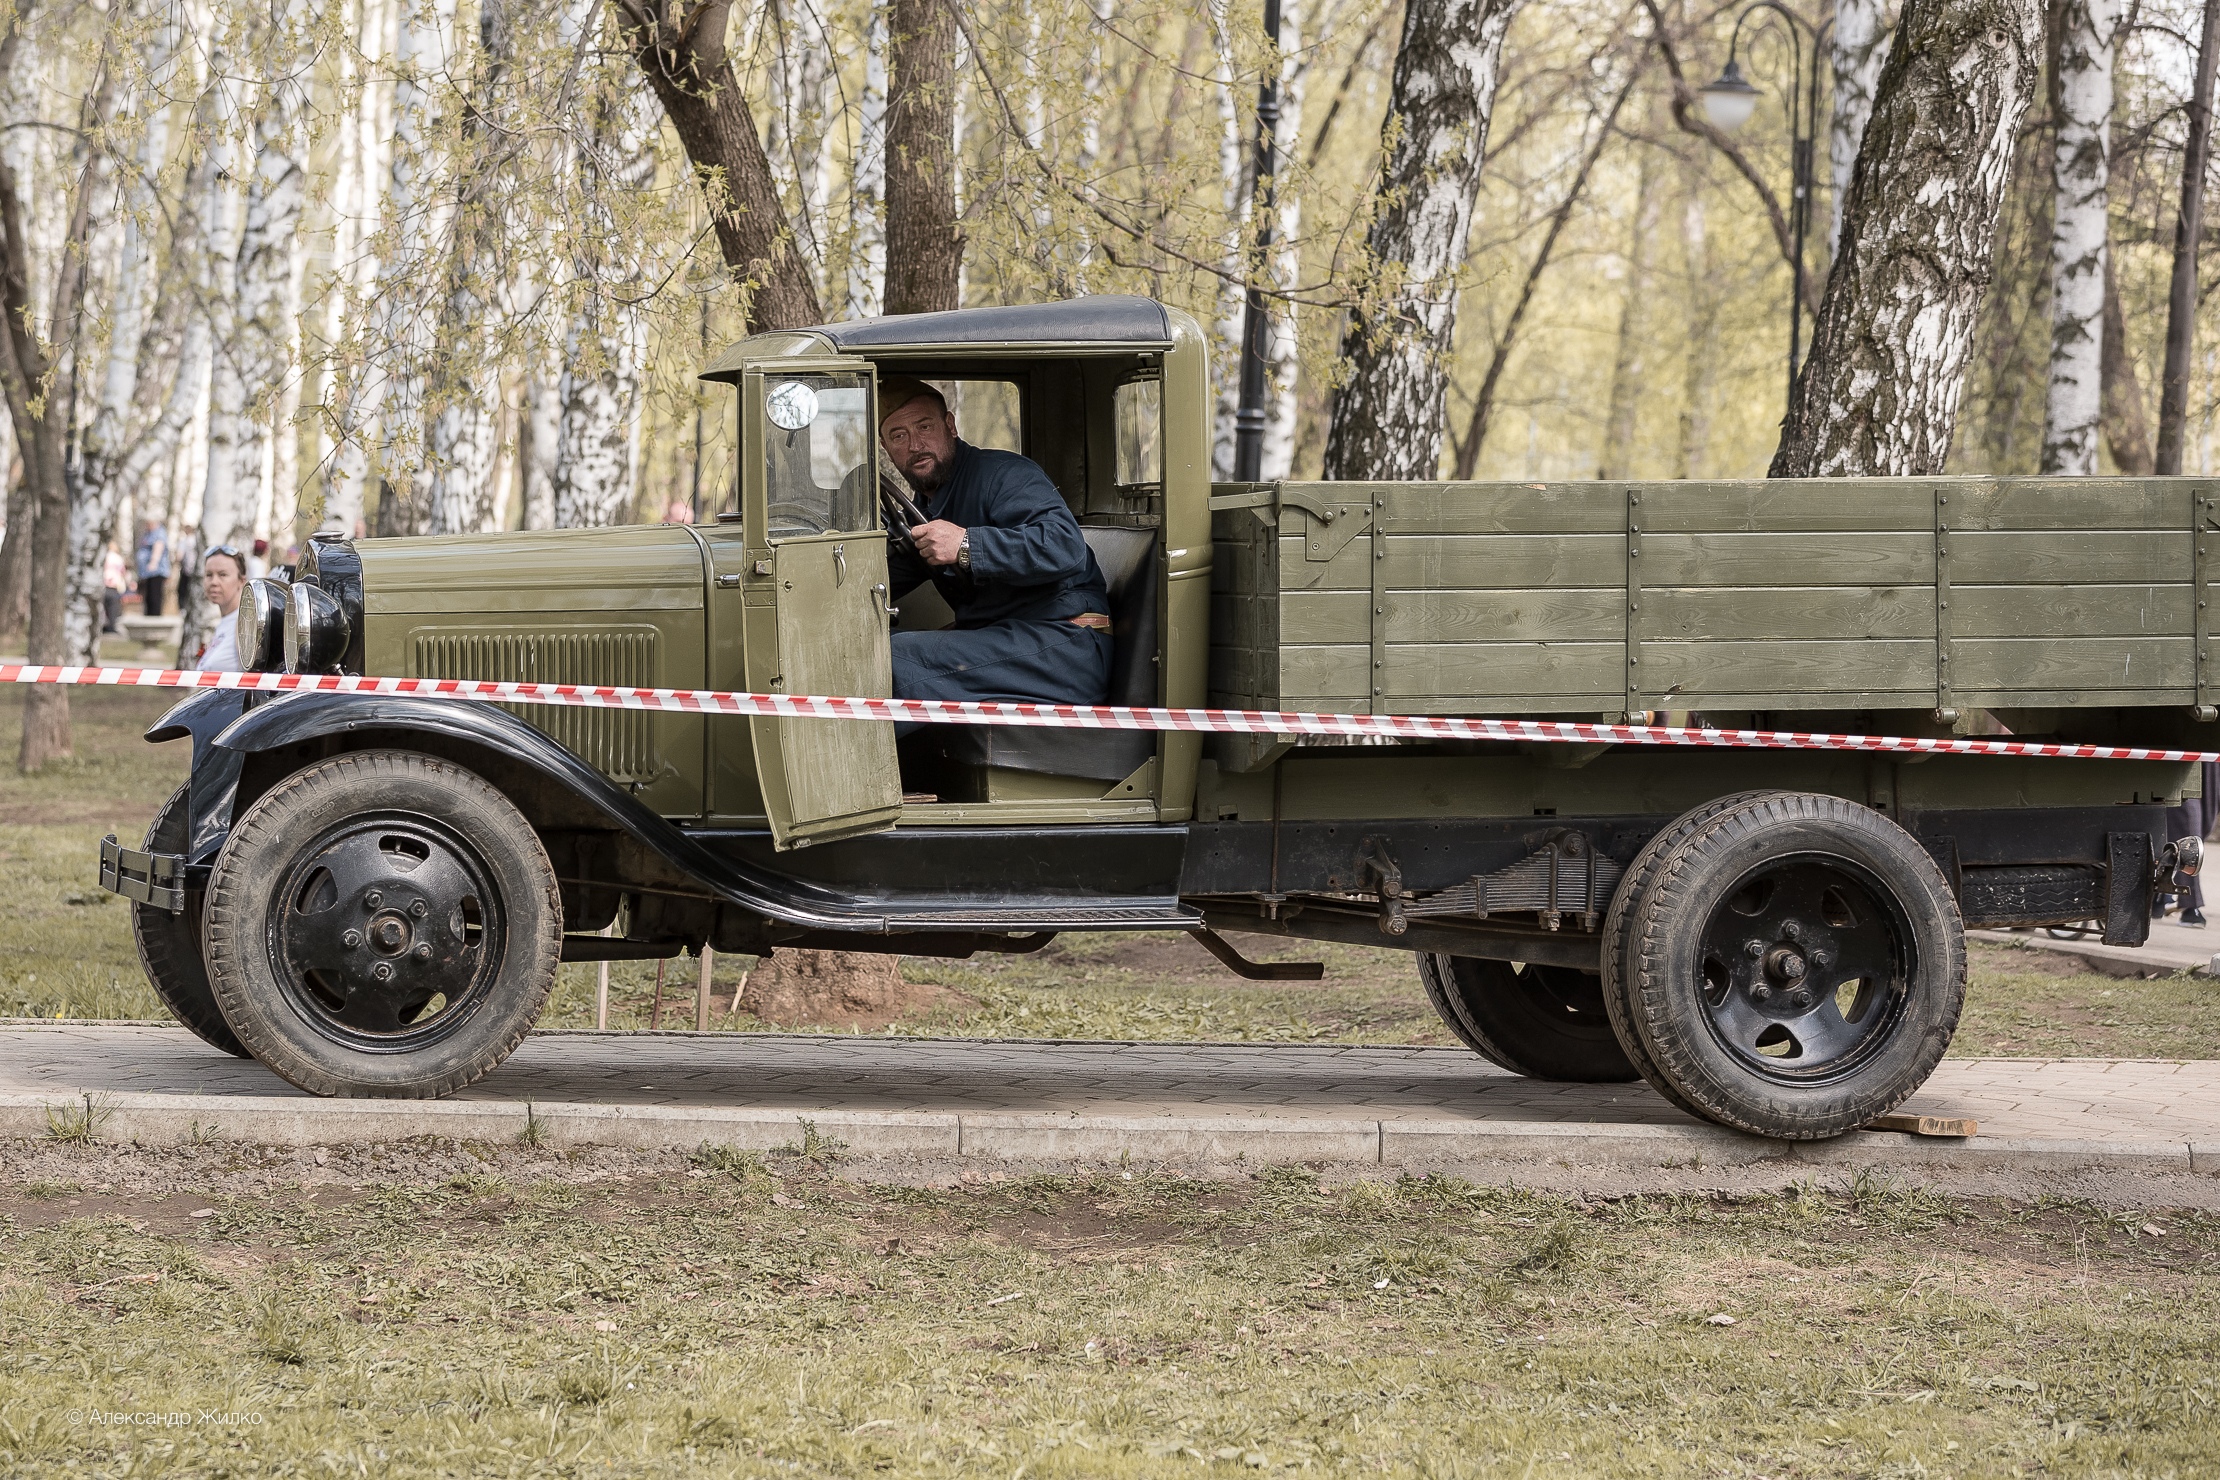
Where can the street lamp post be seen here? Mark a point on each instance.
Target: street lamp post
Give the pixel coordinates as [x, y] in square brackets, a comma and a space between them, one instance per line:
[1729, 101]
[1248, 417]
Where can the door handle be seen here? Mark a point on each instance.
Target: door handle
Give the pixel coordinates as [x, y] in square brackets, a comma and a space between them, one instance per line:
[729, 581]
[840, 565]
[878, 593]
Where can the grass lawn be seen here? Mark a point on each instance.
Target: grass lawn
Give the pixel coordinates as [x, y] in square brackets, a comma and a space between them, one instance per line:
[520, 1315]
[65, 949]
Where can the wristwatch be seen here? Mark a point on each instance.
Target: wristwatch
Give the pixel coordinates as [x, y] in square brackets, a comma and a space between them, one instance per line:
[963, 554]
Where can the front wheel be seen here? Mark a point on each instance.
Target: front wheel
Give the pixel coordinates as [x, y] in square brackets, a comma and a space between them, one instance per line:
[1545, 1022]
[382, 924]
[1794, 965]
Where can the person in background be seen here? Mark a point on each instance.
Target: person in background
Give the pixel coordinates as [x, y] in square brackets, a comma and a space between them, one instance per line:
[225, 571]
[258, 560]
[152, 561]
[186, 556]
[112, 583]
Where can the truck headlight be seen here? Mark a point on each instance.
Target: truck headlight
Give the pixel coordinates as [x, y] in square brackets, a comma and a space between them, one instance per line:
[316, 630]
[260, 625]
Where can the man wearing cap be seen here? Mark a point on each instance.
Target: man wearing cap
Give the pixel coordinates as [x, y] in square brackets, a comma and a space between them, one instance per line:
[1002, 548]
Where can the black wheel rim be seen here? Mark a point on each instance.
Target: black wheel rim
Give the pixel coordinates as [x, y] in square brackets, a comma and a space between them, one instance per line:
[1804, 968]
[387, 933]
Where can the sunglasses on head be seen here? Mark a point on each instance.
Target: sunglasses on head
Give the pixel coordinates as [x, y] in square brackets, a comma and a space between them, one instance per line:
[231, 550]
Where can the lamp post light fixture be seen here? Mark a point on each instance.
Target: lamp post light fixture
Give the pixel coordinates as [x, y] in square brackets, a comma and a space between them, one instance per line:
[1729, 101]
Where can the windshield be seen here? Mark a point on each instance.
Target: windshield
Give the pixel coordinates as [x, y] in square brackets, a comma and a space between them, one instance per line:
[819, 469]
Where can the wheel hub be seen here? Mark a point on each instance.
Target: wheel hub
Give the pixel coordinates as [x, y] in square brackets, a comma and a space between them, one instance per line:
[387, 932]
[1803, 967]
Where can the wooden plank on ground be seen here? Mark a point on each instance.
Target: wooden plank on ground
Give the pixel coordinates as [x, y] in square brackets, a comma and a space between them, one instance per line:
[1926, 1125]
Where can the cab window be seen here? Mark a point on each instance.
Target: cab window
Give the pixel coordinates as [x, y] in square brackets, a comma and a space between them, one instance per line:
[818, 451]
[1139, 420]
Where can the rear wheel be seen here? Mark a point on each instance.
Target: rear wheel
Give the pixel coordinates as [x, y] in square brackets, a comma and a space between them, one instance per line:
[1545, 1022]
[382, 924]
[1794, 965]
[169, 944]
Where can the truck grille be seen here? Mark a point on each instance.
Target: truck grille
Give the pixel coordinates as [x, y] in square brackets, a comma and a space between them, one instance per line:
[620, 743]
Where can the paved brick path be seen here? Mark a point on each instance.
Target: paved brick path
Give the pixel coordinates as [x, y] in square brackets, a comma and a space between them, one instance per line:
[2079, 1100]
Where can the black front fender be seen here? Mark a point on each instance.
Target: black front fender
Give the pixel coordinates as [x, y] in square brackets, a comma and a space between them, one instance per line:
[295, 719]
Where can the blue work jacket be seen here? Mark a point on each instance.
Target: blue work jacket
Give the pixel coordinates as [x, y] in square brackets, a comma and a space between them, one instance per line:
[1029, 562]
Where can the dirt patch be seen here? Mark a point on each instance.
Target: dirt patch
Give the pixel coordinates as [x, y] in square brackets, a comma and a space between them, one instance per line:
[838, 989]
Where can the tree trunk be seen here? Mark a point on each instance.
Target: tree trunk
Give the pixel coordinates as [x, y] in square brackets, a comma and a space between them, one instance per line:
[1879, 393]
[605, 348]
[1282, 349]
[680, 49]
[924, 244]
[2079, 251]
[464, 437]
[1387, 419]
[1855, 50]
[2181, 300]
[542, 433]
[348, 395]
[2127, 425]
[1699, 366]
[867, 188]
[117, 458]
[38, 380]
[1628, 372]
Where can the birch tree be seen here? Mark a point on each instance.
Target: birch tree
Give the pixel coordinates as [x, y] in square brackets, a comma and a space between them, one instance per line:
[867, 187]
[38, 370]
[1879, 394]
[463, 496]
[118, 452]
[1282, 410]
[1233, 242]
[1387, 420]
[1855, 50]
[2080, 230]
[606, 344]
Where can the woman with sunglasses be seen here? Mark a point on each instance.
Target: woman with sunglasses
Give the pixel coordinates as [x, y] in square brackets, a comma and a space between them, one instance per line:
[224, 569]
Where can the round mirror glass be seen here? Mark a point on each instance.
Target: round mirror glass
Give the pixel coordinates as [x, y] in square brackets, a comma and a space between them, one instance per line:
[791, 406]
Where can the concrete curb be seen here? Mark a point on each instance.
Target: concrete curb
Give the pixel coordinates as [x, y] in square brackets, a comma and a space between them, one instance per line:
[2122, 961]
[1046, 1139]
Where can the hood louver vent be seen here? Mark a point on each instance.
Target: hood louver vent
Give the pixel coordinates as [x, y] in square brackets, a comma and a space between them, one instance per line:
[617, 742]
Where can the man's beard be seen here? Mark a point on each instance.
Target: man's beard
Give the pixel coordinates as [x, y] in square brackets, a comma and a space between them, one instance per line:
[931, 477]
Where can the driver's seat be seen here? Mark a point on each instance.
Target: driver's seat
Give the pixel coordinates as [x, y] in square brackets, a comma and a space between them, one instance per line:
[1132, 572]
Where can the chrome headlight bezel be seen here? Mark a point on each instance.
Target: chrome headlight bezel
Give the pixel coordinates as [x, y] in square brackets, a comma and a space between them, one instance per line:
[259, 626]
[316, 630]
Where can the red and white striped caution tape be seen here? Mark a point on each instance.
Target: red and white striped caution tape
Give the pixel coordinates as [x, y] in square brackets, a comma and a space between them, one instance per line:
[1078, 716]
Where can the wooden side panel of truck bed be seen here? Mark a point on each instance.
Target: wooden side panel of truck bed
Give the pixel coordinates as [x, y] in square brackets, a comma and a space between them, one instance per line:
[1514, 598]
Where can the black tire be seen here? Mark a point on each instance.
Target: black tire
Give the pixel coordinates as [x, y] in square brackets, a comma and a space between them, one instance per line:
[1545, 1022]
[1794, 965]
[382, 924]
[1617, 997]
[169, 945]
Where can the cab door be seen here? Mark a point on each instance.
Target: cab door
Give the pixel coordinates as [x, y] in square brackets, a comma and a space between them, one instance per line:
[810, 494]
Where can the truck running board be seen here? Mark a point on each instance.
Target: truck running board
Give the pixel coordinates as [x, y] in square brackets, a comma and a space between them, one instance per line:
[1256, 971]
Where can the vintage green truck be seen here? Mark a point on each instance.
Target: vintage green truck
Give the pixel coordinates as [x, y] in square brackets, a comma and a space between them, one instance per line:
[370, 893]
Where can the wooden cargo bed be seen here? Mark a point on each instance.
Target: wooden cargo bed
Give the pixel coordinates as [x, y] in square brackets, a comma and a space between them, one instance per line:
[1595, 598]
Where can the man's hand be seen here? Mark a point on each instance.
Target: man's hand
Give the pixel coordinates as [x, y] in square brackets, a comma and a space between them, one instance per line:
[938, 541]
